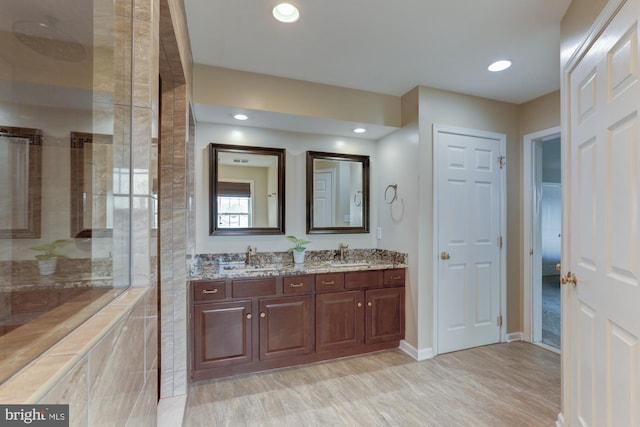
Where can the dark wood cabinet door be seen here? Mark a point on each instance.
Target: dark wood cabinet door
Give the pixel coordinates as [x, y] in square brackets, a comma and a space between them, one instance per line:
[222, 333]
[339, 320]
[385, 315]
[286, 326]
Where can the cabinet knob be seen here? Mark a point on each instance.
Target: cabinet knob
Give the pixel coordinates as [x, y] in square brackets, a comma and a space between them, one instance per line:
[329, 282]
[249, 316]
[369, 304]
[359, 304]
[213, 291]
[395, 277]
[296, 285]
[263, 315]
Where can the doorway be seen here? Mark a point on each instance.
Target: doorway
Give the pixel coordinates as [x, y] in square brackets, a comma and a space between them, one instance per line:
[543, 217]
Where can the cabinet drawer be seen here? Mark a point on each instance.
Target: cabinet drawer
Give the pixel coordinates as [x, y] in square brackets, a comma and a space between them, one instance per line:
[244, 288]
[209, 291]
[394, 277]
[363, 279]
[326, 282]
[297, 284]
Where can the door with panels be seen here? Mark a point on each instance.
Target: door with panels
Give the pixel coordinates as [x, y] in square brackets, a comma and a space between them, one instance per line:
[603, 254]
[469, 234]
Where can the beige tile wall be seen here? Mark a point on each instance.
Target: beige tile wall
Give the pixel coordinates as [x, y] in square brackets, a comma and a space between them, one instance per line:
[176, 194]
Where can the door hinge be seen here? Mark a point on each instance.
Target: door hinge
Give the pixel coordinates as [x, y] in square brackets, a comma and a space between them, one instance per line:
[500, 321]
[500, 242]
[501, 161]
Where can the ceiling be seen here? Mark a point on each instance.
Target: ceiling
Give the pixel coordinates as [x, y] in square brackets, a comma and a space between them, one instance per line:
[388, 47]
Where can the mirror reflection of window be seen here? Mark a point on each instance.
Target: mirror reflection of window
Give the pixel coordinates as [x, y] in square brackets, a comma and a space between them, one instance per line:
[234, 204]
[246, 190]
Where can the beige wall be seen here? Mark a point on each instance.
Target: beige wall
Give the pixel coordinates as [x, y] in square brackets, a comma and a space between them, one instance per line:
[221, 86]
[540, 113]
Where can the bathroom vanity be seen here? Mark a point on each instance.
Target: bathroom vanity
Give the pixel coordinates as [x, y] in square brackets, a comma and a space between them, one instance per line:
[256, 318]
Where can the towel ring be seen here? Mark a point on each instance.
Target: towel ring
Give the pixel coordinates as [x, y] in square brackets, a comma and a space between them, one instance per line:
[357, 203]
[393, 187]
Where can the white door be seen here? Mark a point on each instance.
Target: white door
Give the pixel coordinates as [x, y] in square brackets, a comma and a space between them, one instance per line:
[323, 206]
[468, 233]
[601, 369]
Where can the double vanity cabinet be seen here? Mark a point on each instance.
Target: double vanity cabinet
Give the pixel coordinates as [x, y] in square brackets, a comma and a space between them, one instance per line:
[247, 324]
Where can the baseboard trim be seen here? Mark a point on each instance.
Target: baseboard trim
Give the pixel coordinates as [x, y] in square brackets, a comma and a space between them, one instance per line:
[560, 421]
[418, 355]
[514, 336]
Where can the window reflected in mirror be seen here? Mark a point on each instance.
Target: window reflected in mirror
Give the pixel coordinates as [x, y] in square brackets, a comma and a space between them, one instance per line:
[246, 190]
[337, 193]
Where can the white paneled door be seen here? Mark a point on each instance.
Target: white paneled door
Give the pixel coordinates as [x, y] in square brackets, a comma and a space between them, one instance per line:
[601, 367]
[323, 208]
[469, 234]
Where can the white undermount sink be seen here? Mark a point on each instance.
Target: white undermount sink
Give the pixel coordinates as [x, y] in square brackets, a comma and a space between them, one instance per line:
[348, 264]
[243, 268]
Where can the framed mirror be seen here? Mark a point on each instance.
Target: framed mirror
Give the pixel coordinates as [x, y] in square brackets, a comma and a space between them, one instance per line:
[20, 182]
[92, 180]
[337, 193]
[246, 190]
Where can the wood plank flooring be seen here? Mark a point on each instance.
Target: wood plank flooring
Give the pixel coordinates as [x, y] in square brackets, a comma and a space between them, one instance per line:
[515, 384]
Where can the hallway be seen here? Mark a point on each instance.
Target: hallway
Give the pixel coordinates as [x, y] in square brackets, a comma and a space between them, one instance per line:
[551, 311]
[498, 385]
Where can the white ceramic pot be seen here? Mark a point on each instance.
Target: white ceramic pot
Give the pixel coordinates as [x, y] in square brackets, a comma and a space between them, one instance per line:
[47, 266]
[298, 256]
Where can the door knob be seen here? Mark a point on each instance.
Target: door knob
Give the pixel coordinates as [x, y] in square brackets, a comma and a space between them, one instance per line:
[569, 278]
[558, 267]
[445, 256]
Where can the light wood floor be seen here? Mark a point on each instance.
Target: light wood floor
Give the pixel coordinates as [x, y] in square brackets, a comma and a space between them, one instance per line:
[515, 384]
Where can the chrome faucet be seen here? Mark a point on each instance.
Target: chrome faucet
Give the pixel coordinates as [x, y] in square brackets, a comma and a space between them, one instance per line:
[341, 248]
[249, 255]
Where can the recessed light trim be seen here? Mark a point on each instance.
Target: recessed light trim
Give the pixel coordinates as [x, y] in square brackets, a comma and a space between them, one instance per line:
[359, 130]
[501, 65]
[286, 12]
[240, 117]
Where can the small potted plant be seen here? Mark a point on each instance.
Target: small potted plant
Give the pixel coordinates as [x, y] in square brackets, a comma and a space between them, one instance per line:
[299, 249]
[48, 261]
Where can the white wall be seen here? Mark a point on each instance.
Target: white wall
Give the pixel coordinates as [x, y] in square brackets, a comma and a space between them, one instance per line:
[399, 220]
[296, 144]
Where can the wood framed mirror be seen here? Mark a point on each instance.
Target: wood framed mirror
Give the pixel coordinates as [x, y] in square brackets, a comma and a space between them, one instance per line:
[246, 190]
[92, 178]
[337, 193]
[20, 182]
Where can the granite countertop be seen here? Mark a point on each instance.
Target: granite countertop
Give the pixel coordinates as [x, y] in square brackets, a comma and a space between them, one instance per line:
[240, 269]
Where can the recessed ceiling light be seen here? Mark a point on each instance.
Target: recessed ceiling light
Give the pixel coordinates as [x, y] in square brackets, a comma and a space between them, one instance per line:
[240, 117]
[286, 12]
[359, 130]
[499, 65]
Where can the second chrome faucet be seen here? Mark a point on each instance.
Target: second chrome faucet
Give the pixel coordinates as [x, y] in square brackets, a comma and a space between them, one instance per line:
[249, 255]
[342, 248]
